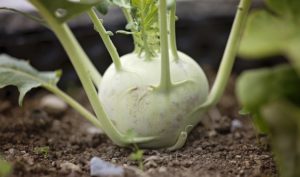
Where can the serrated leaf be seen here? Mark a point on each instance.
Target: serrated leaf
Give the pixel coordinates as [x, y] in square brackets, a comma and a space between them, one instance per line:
[64, 10]
[259, 87]
[274, 33]
[20, 74]
[145, 26]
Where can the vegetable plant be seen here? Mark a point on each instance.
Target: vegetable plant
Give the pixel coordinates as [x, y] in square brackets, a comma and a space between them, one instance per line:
[271, 95]
[156, 93]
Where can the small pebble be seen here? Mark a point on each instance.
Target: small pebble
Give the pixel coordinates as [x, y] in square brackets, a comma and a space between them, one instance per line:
[212, 133]
[235, 125]
[162, 170]
[150, 164]
[247, 164]
[101, 168]
[68, 166]
[114, 160]
[199, 149]
[29, 160]
[232, 161]
[151, 170]
[11, 151]
[53, 105]
[152, 158]
[94, 131]
[241, 172]
[238, 156]
[188, 163]
[237, 135]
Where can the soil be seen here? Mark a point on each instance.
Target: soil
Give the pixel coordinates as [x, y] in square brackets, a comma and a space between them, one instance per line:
[213, 148]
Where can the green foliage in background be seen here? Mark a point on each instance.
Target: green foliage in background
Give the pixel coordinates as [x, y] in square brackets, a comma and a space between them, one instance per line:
[5, 168]
[274, 31]
[272, 95]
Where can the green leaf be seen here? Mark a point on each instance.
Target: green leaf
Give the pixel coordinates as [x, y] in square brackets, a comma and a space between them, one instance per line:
[20, 74]
[274, 33]
[145, 27]
[64, 10]
[25, 14]
[286, 8]
[265, 35]
[283, 119]
[260, 87]
[144, 24]
[5, 168]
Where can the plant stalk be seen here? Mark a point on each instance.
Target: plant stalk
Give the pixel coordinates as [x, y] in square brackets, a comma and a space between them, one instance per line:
[106, 39]
[173, 32]
[130, 20]
[165, 81]
[77, 56]
[229, 54]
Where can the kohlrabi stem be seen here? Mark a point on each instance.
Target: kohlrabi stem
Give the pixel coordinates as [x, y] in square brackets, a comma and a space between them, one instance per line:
[230, 53]
[106, 39]
[165, 81]
[172, 22]
[77, 56]
[93, 72]
[74, 104]
[129, 19]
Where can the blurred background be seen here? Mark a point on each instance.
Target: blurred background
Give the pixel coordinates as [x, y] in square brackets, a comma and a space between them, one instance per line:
[202, 32]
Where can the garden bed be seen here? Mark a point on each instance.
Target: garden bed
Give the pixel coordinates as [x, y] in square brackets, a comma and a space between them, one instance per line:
[213, 149]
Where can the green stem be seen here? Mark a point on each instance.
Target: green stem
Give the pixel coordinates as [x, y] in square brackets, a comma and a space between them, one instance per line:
[74, 104]
[229, 54]
[165, 81]
[146, 46]
[173, 32]
[77, 56]
[130, 20]
[93, 72]
[106, 39]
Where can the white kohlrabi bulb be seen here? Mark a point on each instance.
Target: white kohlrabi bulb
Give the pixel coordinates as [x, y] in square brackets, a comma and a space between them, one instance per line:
[132, 101]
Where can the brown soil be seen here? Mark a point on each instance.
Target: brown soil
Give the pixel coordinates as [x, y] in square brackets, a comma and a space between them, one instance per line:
[212, 149]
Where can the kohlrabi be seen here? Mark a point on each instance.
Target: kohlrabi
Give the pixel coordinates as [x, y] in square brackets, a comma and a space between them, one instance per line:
[152, 97]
